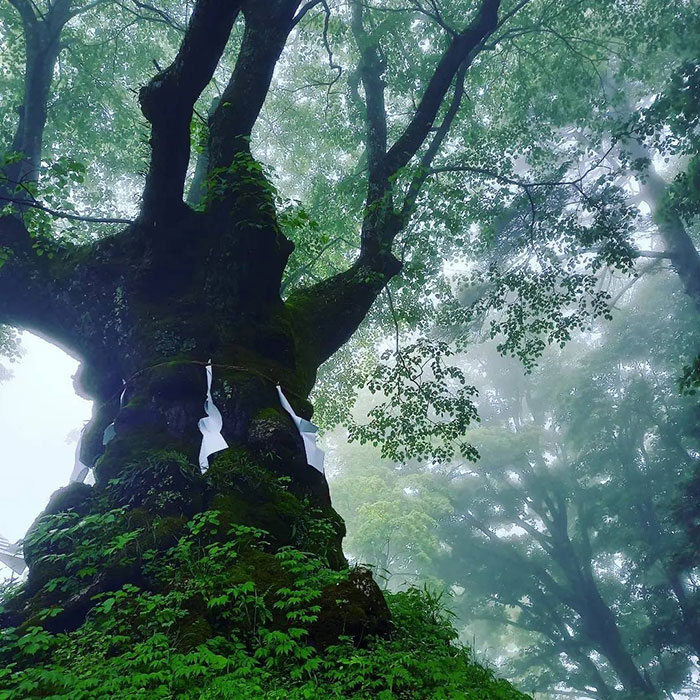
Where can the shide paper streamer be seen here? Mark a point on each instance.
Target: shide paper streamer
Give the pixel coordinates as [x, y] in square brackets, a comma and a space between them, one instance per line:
[11, 556]
[212, 440]
[210, 426]
[80, 469]
[309, 433]
[110, 431]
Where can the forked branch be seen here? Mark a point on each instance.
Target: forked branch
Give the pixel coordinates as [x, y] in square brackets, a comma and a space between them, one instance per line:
[267, 27]
[338, 305]
[168, 102]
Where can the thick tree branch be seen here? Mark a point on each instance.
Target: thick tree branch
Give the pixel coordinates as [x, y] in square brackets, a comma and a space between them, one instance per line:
[35, 291]
[329, 312]
[168, 101]
[42, 47]
[462, 49]
[32, 294]
[370, 70]
[443, 130]
[267, 27]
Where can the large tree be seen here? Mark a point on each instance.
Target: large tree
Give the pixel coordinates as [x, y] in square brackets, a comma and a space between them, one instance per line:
[145, 308]
[182, 285]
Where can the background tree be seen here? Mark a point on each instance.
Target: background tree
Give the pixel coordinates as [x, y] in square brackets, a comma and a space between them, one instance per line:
[567, 542]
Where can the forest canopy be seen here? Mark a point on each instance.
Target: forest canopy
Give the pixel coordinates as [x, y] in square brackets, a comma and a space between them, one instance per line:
[463, 237]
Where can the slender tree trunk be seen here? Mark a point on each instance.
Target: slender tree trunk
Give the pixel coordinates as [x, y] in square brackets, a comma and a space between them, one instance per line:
[42, 47]
[597, 619]
[601, 626]
[684, 256]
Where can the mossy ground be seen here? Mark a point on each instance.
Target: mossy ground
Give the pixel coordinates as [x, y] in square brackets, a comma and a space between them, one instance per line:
[154, 597]
[140, 645]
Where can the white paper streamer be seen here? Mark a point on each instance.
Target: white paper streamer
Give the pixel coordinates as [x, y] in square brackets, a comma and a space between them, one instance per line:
[309, 434]
[210, 426]
[109, 434]
[11, 556]
[80, 469]
[110, 431]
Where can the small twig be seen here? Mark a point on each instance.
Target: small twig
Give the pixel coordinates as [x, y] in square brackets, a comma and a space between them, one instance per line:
[394, 318]
[65, 214]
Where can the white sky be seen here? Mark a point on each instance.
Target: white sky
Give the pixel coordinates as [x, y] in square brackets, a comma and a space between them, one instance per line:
[39, 412]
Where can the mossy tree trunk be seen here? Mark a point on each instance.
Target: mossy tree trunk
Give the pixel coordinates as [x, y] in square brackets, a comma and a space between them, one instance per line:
[146, 309]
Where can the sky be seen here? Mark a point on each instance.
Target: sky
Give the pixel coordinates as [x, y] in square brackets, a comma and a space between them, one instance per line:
[40, 417]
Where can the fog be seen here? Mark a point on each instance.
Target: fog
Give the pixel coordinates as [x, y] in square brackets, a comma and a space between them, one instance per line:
[40, 417]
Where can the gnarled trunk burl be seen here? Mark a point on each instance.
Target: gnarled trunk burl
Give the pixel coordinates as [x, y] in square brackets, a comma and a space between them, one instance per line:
[145, 309]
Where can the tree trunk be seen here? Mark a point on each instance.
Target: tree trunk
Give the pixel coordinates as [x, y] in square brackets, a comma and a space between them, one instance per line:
[683, 254]
[598, 621]
[600, 625]
[42, 47]
[147, 331]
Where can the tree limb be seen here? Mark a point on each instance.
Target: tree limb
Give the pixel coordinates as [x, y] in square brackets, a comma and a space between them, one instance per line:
[462, 49]
[25, 11]
[168, 101]
[304, 9]
[443, 130]
[32, 294]
[659, 254]
[370, 70]
[64, 214]
[267, 27]
[630, 283]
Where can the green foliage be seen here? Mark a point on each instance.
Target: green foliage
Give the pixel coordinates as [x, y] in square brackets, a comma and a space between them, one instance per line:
[588, 464]
[163, 641]
[10, 347]
[428, 406]
[246, 181]
[690, 380]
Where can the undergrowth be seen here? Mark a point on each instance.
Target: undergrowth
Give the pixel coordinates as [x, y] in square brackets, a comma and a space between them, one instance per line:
[229, 619]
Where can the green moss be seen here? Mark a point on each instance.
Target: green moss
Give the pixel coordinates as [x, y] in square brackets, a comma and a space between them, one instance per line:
[268, 414]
